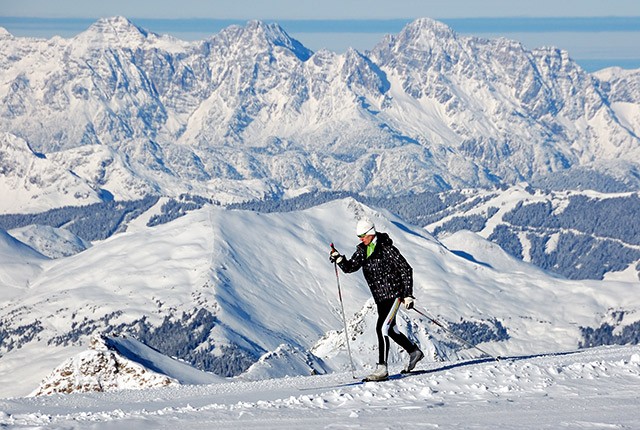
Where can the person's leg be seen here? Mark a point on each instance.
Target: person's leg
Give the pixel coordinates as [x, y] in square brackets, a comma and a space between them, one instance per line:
[402, 340]
[387, 311]
[387, 327]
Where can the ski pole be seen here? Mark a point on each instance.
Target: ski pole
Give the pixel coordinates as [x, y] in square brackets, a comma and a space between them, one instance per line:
[344, 318]
[436, 322]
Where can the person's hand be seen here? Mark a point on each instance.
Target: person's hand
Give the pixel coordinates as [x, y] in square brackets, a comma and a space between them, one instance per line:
[335, 256]
[408, 302]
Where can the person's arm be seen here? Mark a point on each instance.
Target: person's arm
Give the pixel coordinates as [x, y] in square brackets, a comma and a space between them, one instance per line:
[354, 263]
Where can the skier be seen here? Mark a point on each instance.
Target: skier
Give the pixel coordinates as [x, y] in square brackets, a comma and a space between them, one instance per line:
[390, 279]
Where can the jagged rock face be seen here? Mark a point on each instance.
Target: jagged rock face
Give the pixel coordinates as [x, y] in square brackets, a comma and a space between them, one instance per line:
[100, 369]
[425, 109]
[517, 112]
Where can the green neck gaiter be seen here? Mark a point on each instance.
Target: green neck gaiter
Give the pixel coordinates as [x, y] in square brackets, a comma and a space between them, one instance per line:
[371, 247]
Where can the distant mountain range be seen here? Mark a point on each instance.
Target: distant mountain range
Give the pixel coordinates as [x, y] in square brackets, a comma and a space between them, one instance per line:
[120, 112]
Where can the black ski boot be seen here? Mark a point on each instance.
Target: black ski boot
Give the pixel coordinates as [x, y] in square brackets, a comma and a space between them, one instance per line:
[414, 357]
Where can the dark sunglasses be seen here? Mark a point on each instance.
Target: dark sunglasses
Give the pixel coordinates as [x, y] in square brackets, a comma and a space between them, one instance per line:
[365, 233]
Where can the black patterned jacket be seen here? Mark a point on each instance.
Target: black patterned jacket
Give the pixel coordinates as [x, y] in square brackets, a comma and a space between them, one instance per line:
[386, 271]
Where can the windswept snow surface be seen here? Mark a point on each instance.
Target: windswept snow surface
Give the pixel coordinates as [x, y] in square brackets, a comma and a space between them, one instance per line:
[587, 389]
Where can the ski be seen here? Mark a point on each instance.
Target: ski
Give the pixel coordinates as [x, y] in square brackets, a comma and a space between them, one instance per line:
[394, 377]
[332, 386]
[374, 380]
[402, 374]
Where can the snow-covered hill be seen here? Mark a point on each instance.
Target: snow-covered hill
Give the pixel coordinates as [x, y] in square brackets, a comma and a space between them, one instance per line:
[50, 241]
[20, 264]
[120, 111]
[231, 291]
[596, 388]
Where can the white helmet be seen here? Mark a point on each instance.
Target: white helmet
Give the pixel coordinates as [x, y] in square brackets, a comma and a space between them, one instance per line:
[365, 227]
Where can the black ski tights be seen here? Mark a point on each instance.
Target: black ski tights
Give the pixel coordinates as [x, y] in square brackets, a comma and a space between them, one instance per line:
[386, 327]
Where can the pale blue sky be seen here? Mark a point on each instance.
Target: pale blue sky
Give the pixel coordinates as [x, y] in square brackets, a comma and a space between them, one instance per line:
[593, 43]
[318, 9]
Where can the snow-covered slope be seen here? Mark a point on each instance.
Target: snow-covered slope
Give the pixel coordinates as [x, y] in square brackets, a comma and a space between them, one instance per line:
[20, 264]
[622, 87]
[251, 112]
[588, 389]
[50, 241]
[223, 288]
[31, 182]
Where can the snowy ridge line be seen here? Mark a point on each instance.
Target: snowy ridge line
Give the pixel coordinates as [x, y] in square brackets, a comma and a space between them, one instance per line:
[588, 386]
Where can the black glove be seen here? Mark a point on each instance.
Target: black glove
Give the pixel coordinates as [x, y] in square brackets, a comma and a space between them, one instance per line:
[335, 256]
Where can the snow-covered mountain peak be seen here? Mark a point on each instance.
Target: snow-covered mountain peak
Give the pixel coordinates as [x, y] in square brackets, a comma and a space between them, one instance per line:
[431, 26]
[116, 25]
[4, 33]
[50, 241]
[258, 36]
[13, 251]
[556, 62]
[116, 31]
[19, 265]
[622, 87]
[615, 73]
[425, 34]
[22, 171]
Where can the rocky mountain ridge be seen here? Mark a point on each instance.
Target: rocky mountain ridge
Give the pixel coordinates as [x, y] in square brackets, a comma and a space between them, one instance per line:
[250, 112]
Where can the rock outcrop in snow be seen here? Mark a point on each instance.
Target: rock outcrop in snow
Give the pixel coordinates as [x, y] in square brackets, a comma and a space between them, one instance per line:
[117, 363]
[100, 369]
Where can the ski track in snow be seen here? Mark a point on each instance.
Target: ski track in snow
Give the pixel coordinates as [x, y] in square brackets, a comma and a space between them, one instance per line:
[586, 389]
